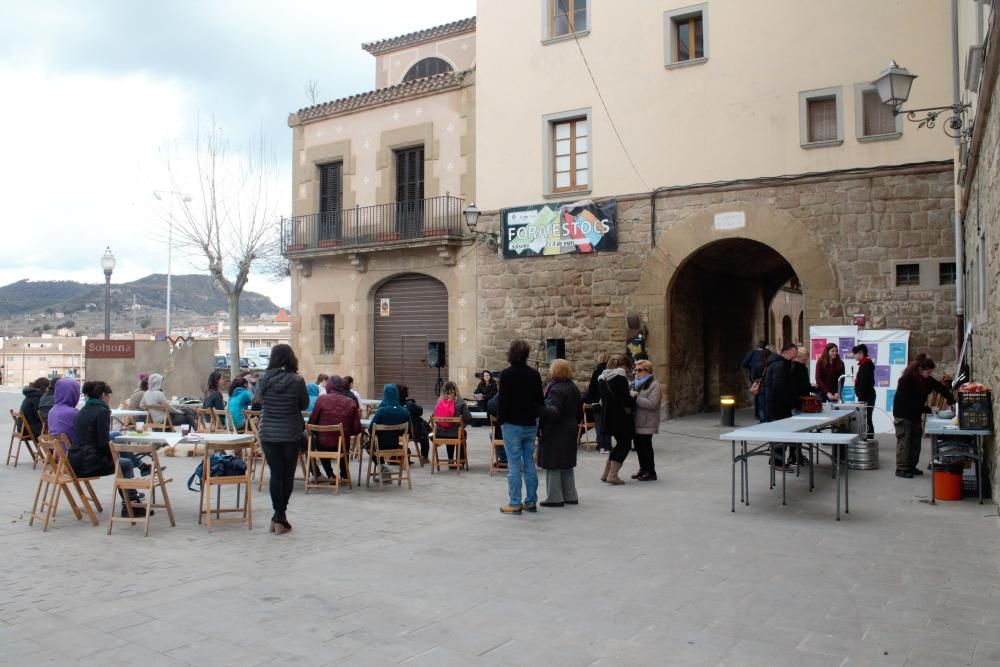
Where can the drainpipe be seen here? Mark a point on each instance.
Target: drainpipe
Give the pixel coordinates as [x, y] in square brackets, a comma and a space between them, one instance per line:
[959, 236]
[652, 215]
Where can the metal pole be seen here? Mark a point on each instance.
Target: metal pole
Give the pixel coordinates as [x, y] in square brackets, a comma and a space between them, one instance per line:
[107, 305]
[170, 247]
[958, 230]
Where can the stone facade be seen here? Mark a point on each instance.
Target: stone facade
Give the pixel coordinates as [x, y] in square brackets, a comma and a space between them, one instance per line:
[839, 233]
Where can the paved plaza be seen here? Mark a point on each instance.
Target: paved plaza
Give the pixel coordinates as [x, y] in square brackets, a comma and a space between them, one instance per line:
[657, 573]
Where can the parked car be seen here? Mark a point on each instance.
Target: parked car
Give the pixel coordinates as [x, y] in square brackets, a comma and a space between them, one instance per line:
[222, 361]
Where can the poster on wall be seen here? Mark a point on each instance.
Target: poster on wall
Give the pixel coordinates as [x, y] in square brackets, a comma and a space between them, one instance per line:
[558, 229]
[888, 350]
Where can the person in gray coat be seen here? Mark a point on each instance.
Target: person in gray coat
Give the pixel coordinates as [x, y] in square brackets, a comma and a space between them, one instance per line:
[646, 391]
[557, 435]
[282, 395]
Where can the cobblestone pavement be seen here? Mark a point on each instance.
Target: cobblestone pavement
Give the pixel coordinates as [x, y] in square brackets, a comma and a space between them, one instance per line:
[658, 573]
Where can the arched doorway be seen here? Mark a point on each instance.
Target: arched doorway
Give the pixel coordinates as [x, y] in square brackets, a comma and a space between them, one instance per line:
[410, 311]
[720, 303]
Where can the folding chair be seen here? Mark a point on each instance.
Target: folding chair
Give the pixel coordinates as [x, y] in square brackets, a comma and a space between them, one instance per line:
[166, 425]
[458, 442]
[314, 456]
[240, 481]
[400, 455]
[125, 422]
[22, 432]
[45, 424]
[57, 478]
[149, 484]
[251, 421]
[583, 430]
[223, 422]
[496, 446]
[207, 419]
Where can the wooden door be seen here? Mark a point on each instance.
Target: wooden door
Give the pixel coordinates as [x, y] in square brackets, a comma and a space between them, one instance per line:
[410, 310]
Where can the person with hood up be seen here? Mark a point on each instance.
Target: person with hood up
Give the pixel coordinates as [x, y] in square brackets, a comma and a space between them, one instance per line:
[390, 413]
[240, 399]
[330, 409]
[29, 406]
[557, 434]
[617, 416]
[62, 416]
[313, 390]
[282, 395]
[155, 396]
[864, 385]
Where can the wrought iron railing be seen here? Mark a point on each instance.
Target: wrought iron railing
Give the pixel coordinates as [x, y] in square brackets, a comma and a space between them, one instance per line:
[365, 225]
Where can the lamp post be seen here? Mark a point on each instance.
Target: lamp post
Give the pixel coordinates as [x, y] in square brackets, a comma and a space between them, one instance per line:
[185, 198]
[108, 264]
[472, 213]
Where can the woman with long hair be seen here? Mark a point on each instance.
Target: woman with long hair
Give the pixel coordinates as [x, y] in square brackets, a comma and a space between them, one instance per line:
[617, 416]
[485, 390]
[451, 404]
[829, 369]
[557, 432]
[908, 409]
[213, 394]
[282, 395]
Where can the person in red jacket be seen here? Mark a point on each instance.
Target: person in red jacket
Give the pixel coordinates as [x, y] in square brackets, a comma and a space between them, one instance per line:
[864, 385]
[330, 409]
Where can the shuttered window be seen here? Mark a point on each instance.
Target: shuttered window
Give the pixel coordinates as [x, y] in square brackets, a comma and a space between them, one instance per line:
[410, 191]
[877, 117]
[331, 199]
[570, 155]
[822, 119]
[427, 67]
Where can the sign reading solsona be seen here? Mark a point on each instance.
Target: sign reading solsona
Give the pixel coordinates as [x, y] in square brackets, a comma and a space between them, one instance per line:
[559, 229]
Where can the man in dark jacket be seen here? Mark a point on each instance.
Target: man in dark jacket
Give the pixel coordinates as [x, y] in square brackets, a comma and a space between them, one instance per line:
[29, 406]
[330, 409]
[780, 392]
[48, 399]
[864, 385]
[754, 364]
[520, 405]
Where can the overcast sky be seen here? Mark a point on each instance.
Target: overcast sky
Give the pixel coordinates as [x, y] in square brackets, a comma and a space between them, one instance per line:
[97, 94]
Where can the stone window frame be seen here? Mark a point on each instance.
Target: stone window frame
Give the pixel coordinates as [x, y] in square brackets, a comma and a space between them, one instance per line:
[837, 93]
[333, 334]
[546, 18]
[312, 323]
[929, 274]
[548, 159]
[859, 117]
[670, 20]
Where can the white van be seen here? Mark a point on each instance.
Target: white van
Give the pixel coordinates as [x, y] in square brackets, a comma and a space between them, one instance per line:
[258, 356]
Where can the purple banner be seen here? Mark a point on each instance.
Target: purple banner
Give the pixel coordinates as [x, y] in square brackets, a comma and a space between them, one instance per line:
[881, 376]
[846, 345]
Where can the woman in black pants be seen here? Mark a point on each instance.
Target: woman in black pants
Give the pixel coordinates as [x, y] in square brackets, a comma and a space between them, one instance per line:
[282, 395]
[617, 416]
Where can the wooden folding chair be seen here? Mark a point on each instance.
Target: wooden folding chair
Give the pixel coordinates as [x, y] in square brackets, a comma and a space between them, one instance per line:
[496, 446]
[22, 433]
[241, 482]
[207, 419]
[256, 462]
[224, 423]
[458, 442]
[314, 456]
[400, 455]
[124, 422]
[583, 429]
[166, 425]
[57, 478]
[45, 424]
[149, 484]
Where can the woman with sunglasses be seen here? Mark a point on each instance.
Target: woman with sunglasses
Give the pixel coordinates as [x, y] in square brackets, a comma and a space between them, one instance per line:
[646, 391]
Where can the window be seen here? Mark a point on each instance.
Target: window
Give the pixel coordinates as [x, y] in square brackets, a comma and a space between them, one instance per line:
[570, 148]
[821, 118]
[947, 273]
[326, 334]
[331, 201]
[907, 275]
[686, 40]
[427, 67]
[566, 17]
[41, 358]
[874, 121]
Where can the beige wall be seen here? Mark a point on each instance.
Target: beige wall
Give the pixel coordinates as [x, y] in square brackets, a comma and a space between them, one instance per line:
[25, 359]
[184, 369]
[458, 51]
[735, 116]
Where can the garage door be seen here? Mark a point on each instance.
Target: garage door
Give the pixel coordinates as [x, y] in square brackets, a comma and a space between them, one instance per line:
[410, 311]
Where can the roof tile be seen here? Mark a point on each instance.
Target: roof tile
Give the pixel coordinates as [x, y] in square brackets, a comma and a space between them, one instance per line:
[426, 35]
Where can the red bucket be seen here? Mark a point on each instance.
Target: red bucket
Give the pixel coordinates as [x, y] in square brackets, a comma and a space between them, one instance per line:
[947, 485]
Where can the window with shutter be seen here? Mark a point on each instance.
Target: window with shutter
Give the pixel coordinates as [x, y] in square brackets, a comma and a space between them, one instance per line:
[822, 119]
[877, 118]
[409, 191]
[331, 200]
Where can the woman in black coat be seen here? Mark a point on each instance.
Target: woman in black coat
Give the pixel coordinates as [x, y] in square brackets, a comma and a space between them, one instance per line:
[29, 406]
[908, 409]
[617, 416]
[557, 435]
[594, 397]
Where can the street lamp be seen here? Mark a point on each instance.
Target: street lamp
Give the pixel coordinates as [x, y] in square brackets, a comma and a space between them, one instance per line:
[472, 213]
[108, 264]
[185, 198]
[893, 88]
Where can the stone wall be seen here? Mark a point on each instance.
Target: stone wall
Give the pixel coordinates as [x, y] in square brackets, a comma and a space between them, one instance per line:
[840, 234]
[982, 220]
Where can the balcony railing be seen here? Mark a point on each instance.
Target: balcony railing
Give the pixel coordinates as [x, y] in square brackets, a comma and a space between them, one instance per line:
[373, 225]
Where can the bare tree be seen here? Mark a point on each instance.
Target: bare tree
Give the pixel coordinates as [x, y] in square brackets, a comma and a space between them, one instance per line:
[229, 225]
[312, 91]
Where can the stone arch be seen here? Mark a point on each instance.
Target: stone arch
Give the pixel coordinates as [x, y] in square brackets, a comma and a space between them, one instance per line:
[787, 236]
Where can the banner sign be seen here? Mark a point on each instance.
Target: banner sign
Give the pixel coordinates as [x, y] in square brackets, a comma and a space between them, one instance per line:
[110, 349]
[560, 229]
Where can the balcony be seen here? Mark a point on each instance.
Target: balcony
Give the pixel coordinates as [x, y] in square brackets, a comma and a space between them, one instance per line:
[433, 221]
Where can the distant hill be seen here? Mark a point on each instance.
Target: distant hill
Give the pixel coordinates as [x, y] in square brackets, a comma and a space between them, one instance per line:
[195, 293]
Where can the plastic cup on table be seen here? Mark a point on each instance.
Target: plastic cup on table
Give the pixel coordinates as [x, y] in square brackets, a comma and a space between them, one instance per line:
[140, 427]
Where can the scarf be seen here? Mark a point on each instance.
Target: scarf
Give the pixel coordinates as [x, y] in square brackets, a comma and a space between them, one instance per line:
[609, 373]
[641, 381]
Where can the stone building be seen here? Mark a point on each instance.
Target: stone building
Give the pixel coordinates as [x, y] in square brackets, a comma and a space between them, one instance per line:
[979, 201]
[726, 175]
[25, 359]
[380, 265]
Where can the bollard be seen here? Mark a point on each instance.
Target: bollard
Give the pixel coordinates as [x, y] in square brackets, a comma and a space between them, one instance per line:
[727, 408]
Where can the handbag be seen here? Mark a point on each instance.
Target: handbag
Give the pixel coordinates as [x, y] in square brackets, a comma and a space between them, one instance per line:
[222, 465]
[755, 387]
